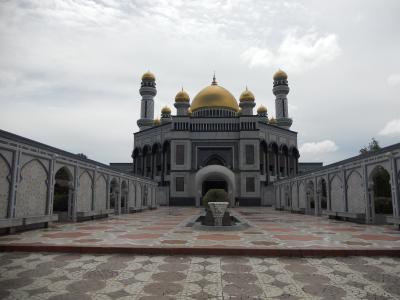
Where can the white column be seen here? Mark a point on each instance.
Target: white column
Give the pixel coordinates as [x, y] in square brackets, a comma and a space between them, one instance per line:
[15, 172]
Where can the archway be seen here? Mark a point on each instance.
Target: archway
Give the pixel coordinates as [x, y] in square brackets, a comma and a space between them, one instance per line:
[322, 193]
[381, 192]
[310, 197]
[62, 198]
[214, 176]
[124, 196]
[114, 191]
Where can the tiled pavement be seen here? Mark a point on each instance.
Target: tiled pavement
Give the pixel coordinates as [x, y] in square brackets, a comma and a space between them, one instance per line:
[166, 227]
[119, 276]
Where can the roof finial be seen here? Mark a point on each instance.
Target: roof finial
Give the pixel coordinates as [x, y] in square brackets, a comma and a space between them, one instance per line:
[214, 82]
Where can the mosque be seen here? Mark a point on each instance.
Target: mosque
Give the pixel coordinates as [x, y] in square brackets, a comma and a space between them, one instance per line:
[214, 141]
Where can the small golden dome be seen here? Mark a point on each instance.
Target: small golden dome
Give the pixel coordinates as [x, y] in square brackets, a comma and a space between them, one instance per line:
[262, 109]
[280, 75]
[214, 96]
[189, 111]
[182, 96]
[148, 76]
[156, 122]
[165, 110]
[247, 96]
[272, 121]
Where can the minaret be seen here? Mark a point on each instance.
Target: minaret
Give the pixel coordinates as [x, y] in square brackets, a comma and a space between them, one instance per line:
[246, 102]
[280, 90]
[147, 91]
[182, 103]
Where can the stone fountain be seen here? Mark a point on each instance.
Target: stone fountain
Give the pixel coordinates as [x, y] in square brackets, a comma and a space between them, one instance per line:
[218, 210]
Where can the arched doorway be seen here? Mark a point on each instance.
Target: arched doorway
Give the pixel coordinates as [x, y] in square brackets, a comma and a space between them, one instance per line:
[213, 182]
[62, 198]
[214, 176]
[381, 192]
[322, 193]
[114, 191]
[124, 196]
[310, 197]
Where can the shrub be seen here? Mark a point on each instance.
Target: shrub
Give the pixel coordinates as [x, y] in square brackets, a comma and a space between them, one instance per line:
[215, 195]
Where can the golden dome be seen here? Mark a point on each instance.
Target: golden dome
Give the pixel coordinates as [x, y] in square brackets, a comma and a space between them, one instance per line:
[279, 75]
[214, 96]
[165, 110]
[148, 76]
[189, 111]
[156, 122]
[247, 96]
[262, 109]
[182, 96]
[272, 121]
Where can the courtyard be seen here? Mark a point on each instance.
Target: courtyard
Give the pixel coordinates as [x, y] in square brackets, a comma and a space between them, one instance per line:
[168, 230]
[123, 257]
[119, 276]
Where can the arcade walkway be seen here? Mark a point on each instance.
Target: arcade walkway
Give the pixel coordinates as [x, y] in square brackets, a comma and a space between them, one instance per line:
[165, 231]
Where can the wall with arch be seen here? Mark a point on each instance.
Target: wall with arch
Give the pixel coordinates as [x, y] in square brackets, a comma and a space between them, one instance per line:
[349, 184]
[28, 174]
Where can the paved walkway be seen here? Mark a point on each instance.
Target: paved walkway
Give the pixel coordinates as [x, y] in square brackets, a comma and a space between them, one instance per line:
[73, 276]
[167, 227]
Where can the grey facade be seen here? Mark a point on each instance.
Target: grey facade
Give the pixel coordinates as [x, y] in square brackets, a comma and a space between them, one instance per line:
[216, 142]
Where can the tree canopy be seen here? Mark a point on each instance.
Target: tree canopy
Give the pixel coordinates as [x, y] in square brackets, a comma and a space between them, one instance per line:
[372, 146]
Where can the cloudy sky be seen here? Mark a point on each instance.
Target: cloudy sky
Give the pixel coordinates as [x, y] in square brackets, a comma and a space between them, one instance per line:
[70, 70]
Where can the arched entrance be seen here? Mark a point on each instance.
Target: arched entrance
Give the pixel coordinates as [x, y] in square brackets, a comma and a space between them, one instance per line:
[114, 191]
[381, 192]
[214, 176]
[124, 196]
[322, 195]
[62, 199]
[310, 197]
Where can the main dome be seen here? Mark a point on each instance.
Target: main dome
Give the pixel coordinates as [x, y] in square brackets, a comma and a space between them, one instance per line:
[214, 96]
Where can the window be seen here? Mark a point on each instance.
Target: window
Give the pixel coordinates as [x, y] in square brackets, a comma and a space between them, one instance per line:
[180, 154]
[249, 154]
[180, 184]
[250, 185]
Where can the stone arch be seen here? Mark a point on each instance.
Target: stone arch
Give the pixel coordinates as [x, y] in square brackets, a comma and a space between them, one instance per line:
[283, 157]
[380, 190]
[62, 196]
[132, 195]
[287, 196]
[302, 195]
[293, 160]
[217, 171]
[85, 192]
[124, 196]
[355, 193]
[114, 191]
[336, 191]
[295, 199]
[214, 159]
[310, 196]
[273, 158]
[32, 189]
[101, 193]
[5, 185]
[157, 159]
[322, 194]
[45, 168]
[146, 160]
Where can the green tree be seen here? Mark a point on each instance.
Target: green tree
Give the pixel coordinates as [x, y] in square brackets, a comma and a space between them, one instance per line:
[372, 146]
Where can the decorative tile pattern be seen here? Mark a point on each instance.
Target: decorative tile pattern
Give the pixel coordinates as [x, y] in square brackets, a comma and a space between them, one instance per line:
[167, 227]
[117, 276]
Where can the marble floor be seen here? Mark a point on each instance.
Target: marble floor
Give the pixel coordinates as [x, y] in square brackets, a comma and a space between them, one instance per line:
[118, 276]
[167, 227]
